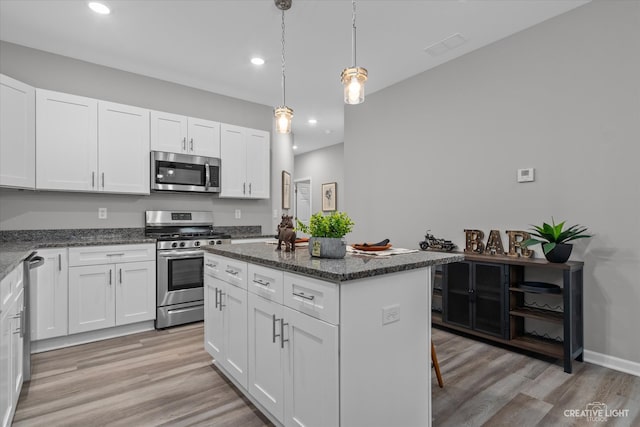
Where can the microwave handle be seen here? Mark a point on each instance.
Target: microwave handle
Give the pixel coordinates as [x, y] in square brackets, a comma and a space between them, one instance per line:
[207, 176]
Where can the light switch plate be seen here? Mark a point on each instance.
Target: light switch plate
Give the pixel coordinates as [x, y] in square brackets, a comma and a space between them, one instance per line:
[238, 214]
[102, 213]
[526, 175]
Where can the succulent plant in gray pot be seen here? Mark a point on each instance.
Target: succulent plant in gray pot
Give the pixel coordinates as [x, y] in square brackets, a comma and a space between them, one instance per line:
[327, 234]
[554, 238]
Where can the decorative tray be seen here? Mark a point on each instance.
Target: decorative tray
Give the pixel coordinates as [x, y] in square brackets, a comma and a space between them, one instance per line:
[362, 247]
[540, 287]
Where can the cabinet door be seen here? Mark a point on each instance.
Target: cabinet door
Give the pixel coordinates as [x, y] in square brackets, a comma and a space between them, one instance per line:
[123, 148]
[67, 142]
[258, 164]
[213, 329]
[6, 384]
[49, 296]
[135, 292]
[91, 298]
[17, 347]
[204, 137]
[456, 295]
[311, 371]
[234, 308]
[17, 134]
[233, 162]
[489, 308]
[266, 357]
[168, 132]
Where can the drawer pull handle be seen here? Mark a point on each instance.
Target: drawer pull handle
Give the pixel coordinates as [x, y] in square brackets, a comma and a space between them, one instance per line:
[282, 340]
[273, 325]
[233, 272]
[211, 265]
[116, 254]
[302, 295]
[59, 262]
[261, 282]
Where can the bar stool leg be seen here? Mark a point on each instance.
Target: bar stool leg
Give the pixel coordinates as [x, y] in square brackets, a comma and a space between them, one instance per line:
[436, 366]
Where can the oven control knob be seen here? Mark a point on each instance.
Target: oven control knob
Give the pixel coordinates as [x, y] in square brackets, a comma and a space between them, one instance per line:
[174, 245]
[196, 243]
[182, 244]
[212, 242]
[219, 242]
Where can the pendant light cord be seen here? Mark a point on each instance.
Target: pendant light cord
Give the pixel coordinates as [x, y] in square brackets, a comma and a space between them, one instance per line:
[283, 77]
[353, 33]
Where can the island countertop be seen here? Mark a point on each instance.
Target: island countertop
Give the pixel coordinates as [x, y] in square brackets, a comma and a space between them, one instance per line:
[351, 267]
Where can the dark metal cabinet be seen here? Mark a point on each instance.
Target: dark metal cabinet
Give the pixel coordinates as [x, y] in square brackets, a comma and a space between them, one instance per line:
[475, 296]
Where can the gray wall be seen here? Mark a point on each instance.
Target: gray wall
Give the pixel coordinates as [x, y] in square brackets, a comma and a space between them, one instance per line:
[322, 166]
[32, 210]
[562, 97]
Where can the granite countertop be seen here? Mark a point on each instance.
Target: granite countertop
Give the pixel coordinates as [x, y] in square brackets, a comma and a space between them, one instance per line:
[351, 267]
[15, 246]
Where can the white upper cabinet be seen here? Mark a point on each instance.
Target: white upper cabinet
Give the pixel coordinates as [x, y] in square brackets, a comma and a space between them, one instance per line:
[203, 137]
[88, 145]
[123, 148]
[187, 135]
[67, 142]
[245, 162]
[17, 134]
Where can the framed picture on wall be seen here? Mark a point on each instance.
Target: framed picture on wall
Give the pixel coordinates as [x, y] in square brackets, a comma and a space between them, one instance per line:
[286, 190]
[329, 196]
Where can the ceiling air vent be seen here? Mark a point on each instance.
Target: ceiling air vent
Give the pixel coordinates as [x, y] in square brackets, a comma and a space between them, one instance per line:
[446, 45]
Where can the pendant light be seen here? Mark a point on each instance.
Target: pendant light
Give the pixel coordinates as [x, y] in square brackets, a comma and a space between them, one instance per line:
[353, 78]
[283, 114]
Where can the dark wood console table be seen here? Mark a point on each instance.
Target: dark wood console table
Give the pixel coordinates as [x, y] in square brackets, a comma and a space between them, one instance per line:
[482, 296]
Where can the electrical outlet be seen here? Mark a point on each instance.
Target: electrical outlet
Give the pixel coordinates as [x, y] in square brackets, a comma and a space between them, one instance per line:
[390, 314]
[238, 214]
[102, 213]
[275, 214]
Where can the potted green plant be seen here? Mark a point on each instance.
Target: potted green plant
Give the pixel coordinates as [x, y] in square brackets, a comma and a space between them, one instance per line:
[554, 238]
[327, 234]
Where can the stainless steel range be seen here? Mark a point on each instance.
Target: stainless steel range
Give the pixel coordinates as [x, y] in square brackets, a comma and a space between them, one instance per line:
[179, 283]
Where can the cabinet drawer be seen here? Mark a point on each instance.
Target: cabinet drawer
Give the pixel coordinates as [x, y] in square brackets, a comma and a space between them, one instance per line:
[314, 297]
[266, 282]
[226, 269]
[92, 255]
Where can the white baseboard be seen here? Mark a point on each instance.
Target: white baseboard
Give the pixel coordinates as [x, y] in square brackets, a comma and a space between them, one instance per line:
[612, 362]
[85, 337]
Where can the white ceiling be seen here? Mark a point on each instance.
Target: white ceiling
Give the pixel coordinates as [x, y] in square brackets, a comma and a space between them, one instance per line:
[207, 44]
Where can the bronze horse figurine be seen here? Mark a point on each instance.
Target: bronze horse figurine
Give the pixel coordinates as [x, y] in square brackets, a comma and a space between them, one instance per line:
[286, 234]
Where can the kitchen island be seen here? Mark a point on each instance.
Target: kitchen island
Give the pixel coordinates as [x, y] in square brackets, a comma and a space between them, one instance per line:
[323, 342]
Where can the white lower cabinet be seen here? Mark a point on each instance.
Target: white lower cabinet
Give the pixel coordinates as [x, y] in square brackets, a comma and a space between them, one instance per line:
[11, 346]
[289, 358]
[108, 293]
[311, 372]
[266, 355]
[226, 326]
[49, 296]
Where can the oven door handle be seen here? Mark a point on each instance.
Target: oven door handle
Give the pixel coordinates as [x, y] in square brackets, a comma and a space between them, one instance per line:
[180, 254]
[207, 174]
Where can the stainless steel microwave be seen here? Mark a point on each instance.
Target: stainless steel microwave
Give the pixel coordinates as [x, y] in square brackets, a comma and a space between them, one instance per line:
[184, 172]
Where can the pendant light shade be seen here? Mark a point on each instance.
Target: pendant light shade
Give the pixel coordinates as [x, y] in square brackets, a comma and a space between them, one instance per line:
[353, 80]
[354, 77]
[283, 114]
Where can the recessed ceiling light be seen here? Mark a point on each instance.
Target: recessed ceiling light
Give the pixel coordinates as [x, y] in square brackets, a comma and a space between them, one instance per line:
[327, 131]
[100, 8]
[313, 121]
[295, 147]
[257, 61]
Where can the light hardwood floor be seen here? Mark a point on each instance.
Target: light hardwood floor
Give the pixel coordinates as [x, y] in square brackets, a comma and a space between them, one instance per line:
[166, 378]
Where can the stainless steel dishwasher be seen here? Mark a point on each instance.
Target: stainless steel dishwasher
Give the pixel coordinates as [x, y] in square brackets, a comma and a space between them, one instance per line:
[30, 264]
